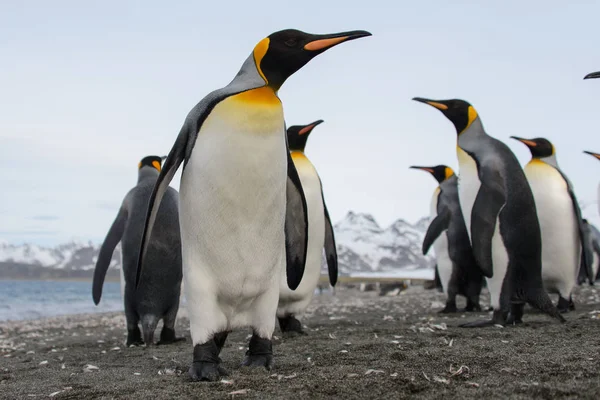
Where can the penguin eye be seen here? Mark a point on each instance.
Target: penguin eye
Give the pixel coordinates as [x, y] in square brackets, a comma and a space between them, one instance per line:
[291, 42]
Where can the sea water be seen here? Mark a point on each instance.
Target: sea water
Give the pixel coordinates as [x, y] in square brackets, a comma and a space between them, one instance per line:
[21, 300]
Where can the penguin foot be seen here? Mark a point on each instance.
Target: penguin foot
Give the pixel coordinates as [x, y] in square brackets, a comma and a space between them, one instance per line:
[206, 371]
[564, 305]
[205, 366]
[260, 353]
[499, 318]
[473, 305]
[290, 326]
[472, 308]
[134, 337]
[450, 308]
[167, 336]
[515, 317]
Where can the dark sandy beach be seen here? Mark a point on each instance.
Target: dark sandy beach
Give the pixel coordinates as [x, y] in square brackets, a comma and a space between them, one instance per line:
[359, 345]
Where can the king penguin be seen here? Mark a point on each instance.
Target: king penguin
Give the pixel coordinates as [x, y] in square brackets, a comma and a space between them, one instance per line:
[293, 303]
[564, 235]
[593, 246]
[592, 75]
[456, 266]
[499, 211]
[158, 297]
[243, 211]
[597, 156]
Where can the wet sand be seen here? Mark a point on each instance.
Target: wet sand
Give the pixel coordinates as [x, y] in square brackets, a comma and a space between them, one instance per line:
[358, 346]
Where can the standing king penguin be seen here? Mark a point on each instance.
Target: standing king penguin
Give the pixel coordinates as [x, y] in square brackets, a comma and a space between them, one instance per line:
[237, 231]
[293, 303]
[456, 266]
[597, 156]
[499, 211]
[564, 234]
[593, 246]
[158, 297]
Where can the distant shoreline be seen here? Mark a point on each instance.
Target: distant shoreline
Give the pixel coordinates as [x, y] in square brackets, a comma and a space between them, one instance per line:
[59, 279]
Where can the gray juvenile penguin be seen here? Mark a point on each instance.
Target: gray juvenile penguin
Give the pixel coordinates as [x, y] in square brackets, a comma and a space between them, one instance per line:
[596, 156]
[592, 243]
[500, 215]
[456, 267]
[158, 297]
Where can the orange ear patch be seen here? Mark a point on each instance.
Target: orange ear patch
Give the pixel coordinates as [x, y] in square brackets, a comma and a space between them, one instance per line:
[259, 52]
[448, 172]
[139, 165]
[156, 165]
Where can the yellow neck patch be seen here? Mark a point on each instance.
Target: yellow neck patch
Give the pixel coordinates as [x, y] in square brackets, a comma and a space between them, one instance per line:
[259, 52]
[264, 95]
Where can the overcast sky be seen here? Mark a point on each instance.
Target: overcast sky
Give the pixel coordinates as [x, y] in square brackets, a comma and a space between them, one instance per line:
[87, 90]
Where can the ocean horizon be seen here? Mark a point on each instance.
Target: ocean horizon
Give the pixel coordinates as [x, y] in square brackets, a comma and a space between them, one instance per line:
[33, 299]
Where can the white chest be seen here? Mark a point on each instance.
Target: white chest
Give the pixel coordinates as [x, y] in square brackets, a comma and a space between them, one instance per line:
[558, 224]
[468, 185]
[434, 201]
[232, 193]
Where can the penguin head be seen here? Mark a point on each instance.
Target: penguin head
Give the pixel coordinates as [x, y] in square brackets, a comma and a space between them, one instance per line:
[592, 75]
[151, 161]
[597, 155]
[282, 53]
[539, 147]
[459, 112]
[298, 135]
[439, 172]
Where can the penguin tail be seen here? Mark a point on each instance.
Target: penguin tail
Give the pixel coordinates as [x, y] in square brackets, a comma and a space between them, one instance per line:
[149, 323]
[539, 299]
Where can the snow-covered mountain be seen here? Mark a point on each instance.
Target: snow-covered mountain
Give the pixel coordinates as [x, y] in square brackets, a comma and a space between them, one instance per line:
[363, 246]
[73, 256]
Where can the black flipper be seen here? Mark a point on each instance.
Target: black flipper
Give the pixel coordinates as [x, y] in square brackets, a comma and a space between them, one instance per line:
[330, 247]
[488, 204]
[587, 258]
[174, 159]
[115, 233]
[438, 225]
[296, 227]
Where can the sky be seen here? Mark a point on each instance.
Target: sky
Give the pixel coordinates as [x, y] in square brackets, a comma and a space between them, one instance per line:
[87, 90]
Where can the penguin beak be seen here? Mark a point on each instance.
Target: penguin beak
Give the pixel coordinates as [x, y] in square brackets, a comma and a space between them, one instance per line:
[430, 170]
[593, 154]
[433, 103]
[308, 128]
[164, 158]
[528, 143]
[323, 42]
[592, 75]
